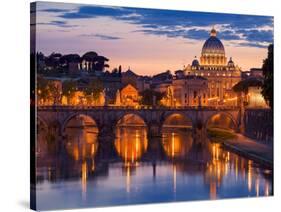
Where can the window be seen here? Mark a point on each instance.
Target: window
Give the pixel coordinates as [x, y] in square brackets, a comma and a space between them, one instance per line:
[194, 94]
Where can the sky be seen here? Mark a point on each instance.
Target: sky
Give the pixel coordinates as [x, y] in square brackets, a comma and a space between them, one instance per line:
[149, 41]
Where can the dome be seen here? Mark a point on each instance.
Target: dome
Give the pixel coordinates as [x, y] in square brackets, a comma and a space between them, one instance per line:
[230, 62]
[213, 45]
[195, 62]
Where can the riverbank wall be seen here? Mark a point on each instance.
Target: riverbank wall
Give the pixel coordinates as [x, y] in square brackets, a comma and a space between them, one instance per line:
[259, 125]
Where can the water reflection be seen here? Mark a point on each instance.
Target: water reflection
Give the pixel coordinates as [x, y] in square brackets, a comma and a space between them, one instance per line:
[228, 167]
[177, 142]
[188, 172]
[131, 143]
[81, 143]
[221, 120]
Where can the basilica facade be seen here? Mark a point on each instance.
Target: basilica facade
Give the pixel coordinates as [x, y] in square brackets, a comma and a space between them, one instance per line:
[221, 73]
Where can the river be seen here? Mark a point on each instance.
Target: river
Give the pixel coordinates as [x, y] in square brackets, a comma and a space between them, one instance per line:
[170, 168]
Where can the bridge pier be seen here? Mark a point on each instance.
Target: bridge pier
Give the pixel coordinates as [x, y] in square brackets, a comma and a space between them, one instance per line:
[155, 150]
[106, 147]
[55, 138]
[199, 133]
[154, 130]
[241, 115]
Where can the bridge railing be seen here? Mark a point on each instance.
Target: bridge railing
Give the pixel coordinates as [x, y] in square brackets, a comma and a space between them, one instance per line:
[141, 107]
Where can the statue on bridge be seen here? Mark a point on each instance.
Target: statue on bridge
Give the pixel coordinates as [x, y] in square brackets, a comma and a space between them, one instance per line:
[102, 98]
[118, 98]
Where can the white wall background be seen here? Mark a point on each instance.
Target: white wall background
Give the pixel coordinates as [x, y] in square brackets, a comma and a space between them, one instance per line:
[14, 102]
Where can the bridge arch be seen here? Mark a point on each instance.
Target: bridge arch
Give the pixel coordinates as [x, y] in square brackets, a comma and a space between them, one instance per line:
[222, 119]
[131, 140]
[176, 134]
[41, 120]
[174, 118]
[42, 130]
[131, 118]
[83, 115]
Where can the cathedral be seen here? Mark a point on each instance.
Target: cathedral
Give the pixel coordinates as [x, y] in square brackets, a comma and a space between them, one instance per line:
[221, 73]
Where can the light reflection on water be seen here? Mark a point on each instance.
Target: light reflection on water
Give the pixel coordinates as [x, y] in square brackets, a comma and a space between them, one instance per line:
[131, 143]
[171, 168]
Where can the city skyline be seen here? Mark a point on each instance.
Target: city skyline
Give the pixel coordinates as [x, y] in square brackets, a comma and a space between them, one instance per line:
[203, 131]
[127, 35]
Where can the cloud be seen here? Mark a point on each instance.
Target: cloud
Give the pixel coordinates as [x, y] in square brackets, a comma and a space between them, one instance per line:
[197, 34]
[253, 44]
[95, 11]
[257, 35]
[190, 25]
[229, 35]
[63, 24]
[54, 10]
[101, 36]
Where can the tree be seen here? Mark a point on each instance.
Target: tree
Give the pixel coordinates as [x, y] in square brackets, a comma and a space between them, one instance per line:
[53, 60]
[42, 88]
[94, 89]
[90, 56]
[54, 91]
[267, 68]
[100, 63]
[148, 95]
[68, 89]
[244, 85]
[65, 60]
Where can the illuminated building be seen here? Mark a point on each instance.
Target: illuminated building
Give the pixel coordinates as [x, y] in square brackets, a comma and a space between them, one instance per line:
[213, 66]
[250, 91]
[190, 91]
[254, 72]
[255, 98]
[129, 96]
[184, 91]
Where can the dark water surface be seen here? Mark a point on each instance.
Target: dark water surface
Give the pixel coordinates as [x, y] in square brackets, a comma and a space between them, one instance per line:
[141, 170]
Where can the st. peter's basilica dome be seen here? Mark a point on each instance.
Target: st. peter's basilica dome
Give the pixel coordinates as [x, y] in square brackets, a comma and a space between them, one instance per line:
[213, 52]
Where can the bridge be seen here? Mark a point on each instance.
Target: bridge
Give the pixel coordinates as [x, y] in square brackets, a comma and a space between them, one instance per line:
[56, 118]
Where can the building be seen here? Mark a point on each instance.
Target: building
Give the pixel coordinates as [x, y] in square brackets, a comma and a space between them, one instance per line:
[222, 74]
[143, 83]
[129, 96]
[162, 82]
[254, 72]
[190, 91]
[249, 91]
[255, 98]
[129, 77]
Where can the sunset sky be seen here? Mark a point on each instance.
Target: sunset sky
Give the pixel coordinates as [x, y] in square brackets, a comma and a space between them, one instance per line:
[149, 41]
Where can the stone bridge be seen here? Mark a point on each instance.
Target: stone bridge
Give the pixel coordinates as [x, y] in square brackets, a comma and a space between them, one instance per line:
[106, 118]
